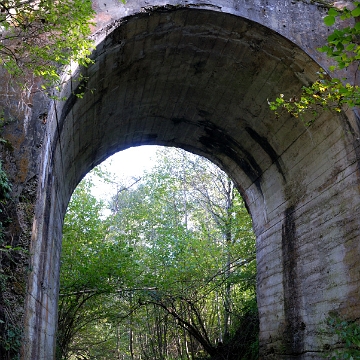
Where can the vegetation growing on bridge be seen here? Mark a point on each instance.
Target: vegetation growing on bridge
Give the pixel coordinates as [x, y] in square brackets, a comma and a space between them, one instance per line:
[348, 337]
[10, 333]
[40, 36]
[170, 274]
[331, 93]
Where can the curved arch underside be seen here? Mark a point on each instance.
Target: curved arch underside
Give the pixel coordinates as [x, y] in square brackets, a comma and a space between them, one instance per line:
[201, 80]
[195, 79]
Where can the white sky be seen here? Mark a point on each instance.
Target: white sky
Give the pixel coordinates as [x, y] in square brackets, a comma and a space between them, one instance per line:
[126, 164]
[133, 161]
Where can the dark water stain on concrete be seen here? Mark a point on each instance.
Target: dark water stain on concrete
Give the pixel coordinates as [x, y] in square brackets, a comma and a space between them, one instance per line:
[294, 326]
[265, 145]
[217, 141]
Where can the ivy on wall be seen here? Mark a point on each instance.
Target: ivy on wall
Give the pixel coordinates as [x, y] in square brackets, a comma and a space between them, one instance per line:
[5, 188]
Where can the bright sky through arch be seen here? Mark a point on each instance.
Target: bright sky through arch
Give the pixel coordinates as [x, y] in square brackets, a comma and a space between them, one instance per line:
[133, 161]
[126, 164]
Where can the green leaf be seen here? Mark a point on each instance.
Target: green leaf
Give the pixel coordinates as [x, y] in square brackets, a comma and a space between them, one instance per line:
[350, 47]
[356, 12]
[329, 20]
[340, 47]
[333, 12]
[334, 36]
[324, 48]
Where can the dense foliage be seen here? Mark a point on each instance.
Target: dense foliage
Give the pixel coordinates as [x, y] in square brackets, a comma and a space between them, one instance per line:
[331, 93]
[41, 37]
[170, 274]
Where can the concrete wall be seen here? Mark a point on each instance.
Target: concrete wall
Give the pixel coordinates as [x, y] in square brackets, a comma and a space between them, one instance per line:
[198, 76]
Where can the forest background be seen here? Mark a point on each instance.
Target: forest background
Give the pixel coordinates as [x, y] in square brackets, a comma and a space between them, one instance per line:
[169, 273]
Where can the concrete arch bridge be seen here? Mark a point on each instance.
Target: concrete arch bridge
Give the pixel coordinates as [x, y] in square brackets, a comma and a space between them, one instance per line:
[197, 75]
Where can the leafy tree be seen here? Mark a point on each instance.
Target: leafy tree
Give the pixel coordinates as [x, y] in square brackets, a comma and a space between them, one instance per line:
[189, 219]
[40, 37]
[182, 278]
[331, 93]
[93, 271]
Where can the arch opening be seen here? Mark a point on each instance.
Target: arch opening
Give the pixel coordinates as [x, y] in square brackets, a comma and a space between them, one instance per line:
[147, 275]
[200, 80]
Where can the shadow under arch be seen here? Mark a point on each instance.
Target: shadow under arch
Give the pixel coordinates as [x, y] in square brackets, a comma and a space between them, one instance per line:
[200, 80]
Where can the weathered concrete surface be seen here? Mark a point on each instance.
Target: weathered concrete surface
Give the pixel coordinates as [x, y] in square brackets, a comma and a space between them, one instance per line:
[21, 133]
[198, 76]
